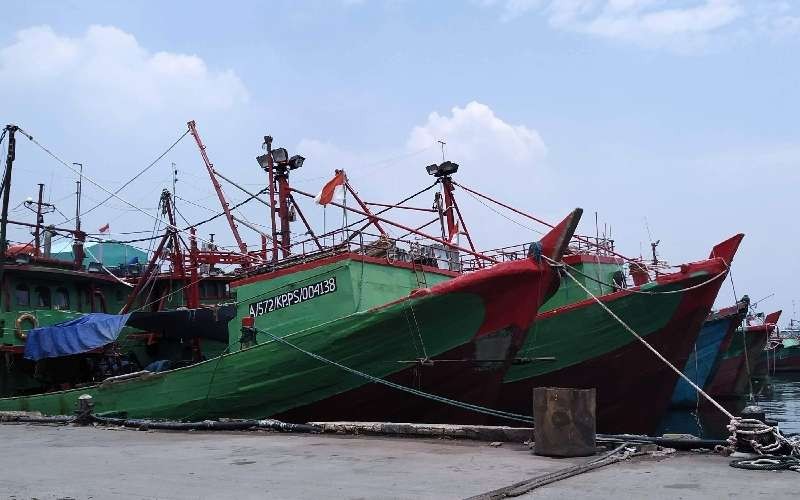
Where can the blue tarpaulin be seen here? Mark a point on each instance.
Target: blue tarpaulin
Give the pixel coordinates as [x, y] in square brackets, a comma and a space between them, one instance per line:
[75, 336]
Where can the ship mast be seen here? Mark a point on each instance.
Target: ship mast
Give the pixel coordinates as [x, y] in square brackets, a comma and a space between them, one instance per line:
[218, 188]
[277, 163]
[11, 130]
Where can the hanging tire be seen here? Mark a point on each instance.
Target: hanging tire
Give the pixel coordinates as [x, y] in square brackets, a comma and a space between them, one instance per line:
[22, 335]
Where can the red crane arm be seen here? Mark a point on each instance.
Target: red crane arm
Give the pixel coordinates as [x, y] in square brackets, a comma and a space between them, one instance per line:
[217, 187]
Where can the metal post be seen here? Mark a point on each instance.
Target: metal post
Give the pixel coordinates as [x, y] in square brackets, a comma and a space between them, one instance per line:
[447, 187]
[39, 220]
[174, 180]
[272, 209]
[448, 183]
[437, 205]
[193, 295]
[12, 146]
[78, 189]
[283, 211]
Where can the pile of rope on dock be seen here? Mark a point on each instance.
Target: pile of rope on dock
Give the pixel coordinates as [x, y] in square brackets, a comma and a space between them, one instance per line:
[773, 450]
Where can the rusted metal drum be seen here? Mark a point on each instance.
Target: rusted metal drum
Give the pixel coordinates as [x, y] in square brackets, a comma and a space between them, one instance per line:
[564, 423]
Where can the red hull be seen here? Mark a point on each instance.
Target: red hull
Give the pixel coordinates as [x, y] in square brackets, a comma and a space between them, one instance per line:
[473, 372]
[468, 381]
[731, 379]
[634, 388]
[789, 363]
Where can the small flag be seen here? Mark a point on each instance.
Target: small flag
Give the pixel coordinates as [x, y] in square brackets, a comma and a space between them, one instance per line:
[334, 189]
[453, 230]
[104, 228]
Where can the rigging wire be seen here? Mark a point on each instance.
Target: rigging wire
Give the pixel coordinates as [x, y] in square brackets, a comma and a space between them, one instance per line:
[501, 214]
[115, 195]
[112, 195]
[379, 212]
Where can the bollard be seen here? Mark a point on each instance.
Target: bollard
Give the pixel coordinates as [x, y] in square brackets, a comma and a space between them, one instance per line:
[83, 412]
[753, 430]
[754, 411]
[564, 423]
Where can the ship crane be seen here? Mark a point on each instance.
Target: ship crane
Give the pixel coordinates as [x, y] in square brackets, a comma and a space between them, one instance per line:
[225, 207]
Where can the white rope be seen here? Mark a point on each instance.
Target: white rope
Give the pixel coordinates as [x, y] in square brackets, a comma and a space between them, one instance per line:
[738, 426]
[645, 343]
[753, 428]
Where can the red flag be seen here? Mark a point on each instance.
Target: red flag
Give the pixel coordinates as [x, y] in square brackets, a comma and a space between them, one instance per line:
[333, 189]
[104, 228]
[453, 230]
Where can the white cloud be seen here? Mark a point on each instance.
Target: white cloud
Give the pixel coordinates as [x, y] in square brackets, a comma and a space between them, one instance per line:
[682, 26]
[107, 71]
[777, 19]
[475, 134]
[495, 156]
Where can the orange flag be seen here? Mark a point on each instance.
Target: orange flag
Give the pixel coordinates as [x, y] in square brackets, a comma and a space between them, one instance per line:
[333, 189]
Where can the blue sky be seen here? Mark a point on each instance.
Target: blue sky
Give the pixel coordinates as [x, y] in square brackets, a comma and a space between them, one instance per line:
[680, 116]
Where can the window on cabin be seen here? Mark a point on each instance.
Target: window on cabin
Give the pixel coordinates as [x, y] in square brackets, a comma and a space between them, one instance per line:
[43, 298]
[23, 295]
[98, 302]
[61, 301]
[209, 290]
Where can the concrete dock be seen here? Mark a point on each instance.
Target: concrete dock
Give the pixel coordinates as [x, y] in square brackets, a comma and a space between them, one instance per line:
[58, 462]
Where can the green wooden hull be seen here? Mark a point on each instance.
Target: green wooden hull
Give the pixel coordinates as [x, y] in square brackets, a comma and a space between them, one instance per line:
[272, 377]
[580, 345]
[338, 323]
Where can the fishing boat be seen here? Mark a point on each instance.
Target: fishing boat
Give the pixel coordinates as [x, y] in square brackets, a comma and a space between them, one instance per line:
[39, 289]
[740, 351]
[762, 363]
[783, 349]
[480, 314]
[46, 285]
[349, 326]
[575, 342]
[705, 363]
[786, 357]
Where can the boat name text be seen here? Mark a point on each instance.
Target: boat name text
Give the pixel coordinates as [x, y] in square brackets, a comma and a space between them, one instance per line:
[293, 297]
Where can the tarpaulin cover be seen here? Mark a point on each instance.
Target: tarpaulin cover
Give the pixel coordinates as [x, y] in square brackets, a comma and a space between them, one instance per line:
[76, 336]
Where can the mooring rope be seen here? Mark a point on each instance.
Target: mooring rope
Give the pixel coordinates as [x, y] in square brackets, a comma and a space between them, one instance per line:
[644, 342]
[441, 399]
[738, 426]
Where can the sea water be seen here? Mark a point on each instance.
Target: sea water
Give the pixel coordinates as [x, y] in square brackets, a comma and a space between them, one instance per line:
[781, 401]
[778, 395]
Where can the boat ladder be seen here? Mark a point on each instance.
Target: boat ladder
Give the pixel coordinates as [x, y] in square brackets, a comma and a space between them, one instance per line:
[419, 273]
